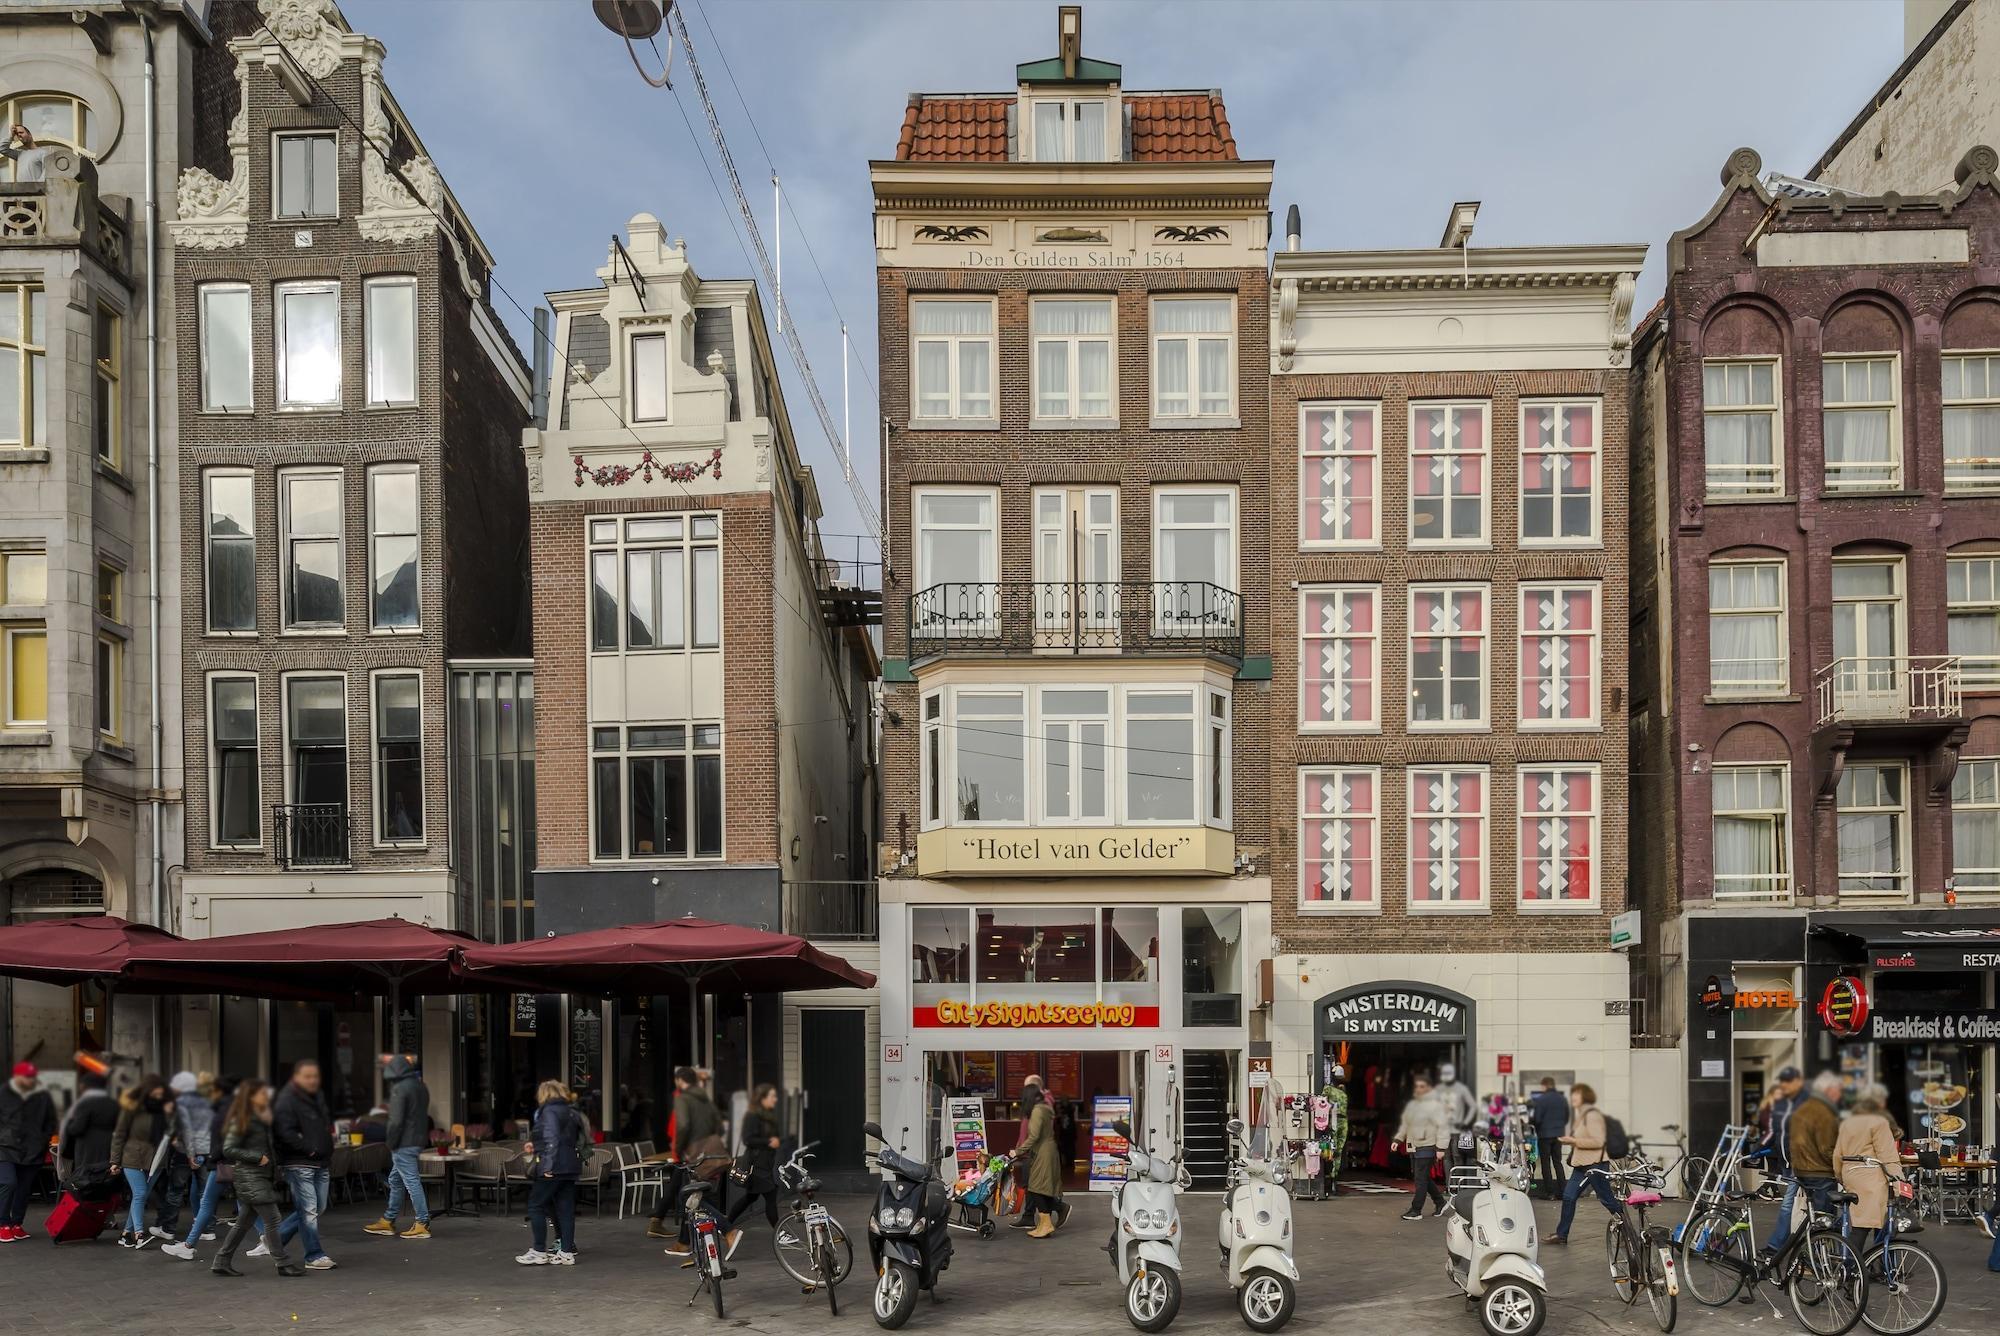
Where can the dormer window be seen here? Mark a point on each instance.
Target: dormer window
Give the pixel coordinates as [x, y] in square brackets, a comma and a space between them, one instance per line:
[649, 377]
[307, 181]
[1069, 129]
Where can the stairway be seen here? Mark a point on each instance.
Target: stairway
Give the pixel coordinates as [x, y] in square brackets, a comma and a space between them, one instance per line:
[1205, 1099]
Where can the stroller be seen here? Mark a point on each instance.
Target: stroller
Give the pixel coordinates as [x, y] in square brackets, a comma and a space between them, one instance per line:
[976, 1194]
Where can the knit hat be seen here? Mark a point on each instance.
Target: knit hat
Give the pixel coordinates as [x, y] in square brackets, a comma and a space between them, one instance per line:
[25, 1071]
[183, 1083]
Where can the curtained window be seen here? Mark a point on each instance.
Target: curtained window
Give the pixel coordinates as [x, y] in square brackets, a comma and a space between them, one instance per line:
[1339, 658]
[1448, 836]
[1751, 856]
[1740, 428]
[1447, 474]
[1971, 386]
[1194, 340]
[1863, 450]
[1073, 357]
[1339, 838]
[1339, 463]
[1746, 628]
[1975, 827]
[1972, 601]
[952, 358]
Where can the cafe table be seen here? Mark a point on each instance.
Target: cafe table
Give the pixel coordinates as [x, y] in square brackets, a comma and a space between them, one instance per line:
[451, 1160]
[1954, 1202]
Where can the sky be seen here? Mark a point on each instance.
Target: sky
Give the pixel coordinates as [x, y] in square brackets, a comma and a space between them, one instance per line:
[1572, 121]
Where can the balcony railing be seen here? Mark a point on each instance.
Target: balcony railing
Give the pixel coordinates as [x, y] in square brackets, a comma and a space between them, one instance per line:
[1890, 689]
[310, 834]
[1077, 617]
[1760, 888]
[831, 911]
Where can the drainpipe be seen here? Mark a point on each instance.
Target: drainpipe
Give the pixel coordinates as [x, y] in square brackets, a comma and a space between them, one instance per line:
[157, 728]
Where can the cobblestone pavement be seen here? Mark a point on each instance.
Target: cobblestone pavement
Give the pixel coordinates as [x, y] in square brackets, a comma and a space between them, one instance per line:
[1361, 1266]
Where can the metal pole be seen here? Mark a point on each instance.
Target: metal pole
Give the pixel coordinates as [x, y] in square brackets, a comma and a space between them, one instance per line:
[778, 232]
[846, 425]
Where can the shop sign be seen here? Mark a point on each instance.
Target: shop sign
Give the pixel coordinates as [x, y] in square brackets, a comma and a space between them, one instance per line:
[1719, 993]
[1843, 1007]
[1015, 1015]
[1506, 1064]
[1766, 999]
[1076, 851]
[1932, 958]
[1976, 1027]
[1625, 929]
[525, 1016]
[967, 1120]
[1107, 1171]
[1380, 1013]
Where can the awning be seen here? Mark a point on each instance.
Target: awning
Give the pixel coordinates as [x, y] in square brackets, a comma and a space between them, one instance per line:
[376, 957]
[1919, 939]
[96, 948]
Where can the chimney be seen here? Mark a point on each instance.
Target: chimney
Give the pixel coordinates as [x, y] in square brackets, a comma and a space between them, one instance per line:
[1458, 231]
[1292, 232]
[1069, 37]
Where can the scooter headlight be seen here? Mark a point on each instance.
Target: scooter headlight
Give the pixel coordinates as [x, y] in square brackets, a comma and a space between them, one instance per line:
[888, 1217]
[905, 1217]
[1159, 1219]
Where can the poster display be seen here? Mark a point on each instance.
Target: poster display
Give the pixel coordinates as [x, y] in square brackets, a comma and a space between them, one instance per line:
[980, 1074]
[1107, 1172]
[966, 1119]
[1064, 1074]
[1016, 1068]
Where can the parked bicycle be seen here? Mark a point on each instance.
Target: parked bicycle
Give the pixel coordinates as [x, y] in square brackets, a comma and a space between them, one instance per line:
[701, 1208]
[809, 1243]
[1906, 1286]
[1691, 1168]
[1641, 1255]
[1817, 1267]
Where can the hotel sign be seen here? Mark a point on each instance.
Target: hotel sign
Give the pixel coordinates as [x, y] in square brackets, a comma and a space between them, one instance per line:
[1076, 851]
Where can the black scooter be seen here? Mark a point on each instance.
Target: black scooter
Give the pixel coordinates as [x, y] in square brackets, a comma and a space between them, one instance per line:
[909, 1231]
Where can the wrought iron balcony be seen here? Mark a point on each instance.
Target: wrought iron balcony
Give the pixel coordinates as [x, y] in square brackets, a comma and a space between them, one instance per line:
[310, 834]
[1890, 690]
[831, 911]
[1076, 617]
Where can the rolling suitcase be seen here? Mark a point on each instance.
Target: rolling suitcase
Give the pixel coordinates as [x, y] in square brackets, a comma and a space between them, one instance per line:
[76, 1218]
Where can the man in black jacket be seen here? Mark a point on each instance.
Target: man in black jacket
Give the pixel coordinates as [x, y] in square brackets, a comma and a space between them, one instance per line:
[27, 1122]
[1548, 1110]
[406, 1134]
[302, 1127]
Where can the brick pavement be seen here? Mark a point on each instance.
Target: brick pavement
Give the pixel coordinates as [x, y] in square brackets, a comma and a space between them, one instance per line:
[1361, 1266]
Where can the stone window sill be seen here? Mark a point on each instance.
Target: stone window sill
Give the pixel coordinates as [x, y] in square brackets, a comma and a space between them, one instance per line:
[1196, 424]
[111, 474]
[37, 455]
[21, 737]
[1792, 698]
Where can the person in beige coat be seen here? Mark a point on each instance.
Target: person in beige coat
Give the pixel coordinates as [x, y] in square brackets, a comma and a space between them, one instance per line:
[1423, 1132]
[1867, 1132]
[1587, 1134]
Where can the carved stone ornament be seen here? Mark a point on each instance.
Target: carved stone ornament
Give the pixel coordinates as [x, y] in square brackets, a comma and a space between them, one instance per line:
[388, 211]
[1621, 320]
[1288, 322]
[310, 31]
[210, 213]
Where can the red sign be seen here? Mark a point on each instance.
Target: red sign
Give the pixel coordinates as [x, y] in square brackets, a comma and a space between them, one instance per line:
[1018, 1015]
[1843, 1008]
[1506, 1064]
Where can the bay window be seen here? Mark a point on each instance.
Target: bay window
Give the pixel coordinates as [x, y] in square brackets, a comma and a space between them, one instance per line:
[1558, 845]
[1872, 824]
[233, 762]
[1339, 839]
[1339, 475]
[1448, 491]
[1447, 656]
[1752, 853]
[992, 753]
[1864, 447]
[1741, 439]
[391, 331]
[308, 319]
[226, 361]
[671, 592]
[1340, 659]
[1746, 628]
[1975, 828]
[1074, 358]
[1194, 357]
[951, 359]
[656, 791]
[1559, 503]
[394, 590]
[1076, 737]
[1448, 837]
[1972, 627]
[310, 538]
[399, 758]
[1559, 655]
[229, 525]
[1159, 757]
[1971, 383]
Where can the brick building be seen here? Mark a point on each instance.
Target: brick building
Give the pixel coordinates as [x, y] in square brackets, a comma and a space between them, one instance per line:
[705, 732]
[1816, 623]
[1073, 315]
[355, 503]
[1448, 503]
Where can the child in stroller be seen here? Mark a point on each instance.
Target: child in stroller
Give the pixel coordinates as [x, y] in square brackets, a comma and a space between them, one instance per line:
[976, 1194]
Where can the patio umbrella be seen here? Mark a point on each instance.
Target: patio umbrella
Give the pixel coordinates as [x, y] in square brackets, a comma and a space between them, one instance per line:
[643, 958]
[94, 949]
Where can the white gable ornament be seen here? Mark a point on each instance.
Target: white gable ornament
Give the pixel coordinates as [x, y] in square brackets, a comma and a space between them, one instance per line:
[309, 30]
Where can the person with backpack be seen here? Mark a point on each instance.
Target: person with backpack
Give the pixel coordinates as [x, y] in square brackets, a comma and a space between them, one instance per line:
[559, 1134]
[145, 1125]
[1594, 1139]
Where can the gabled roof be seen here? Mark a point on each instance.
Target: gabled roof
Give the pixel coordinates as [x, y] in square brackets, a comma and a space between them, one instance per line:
[1166, 127]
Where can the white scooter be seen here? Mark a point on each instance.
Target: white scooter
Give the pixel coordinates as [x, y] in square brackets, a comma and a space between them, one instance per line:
[1145, 1242]
[1256, 1234]
[1489, 1239]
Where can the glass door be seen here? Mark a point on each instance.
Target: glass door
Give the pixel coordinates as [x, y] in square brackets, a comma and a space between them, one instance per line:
[1868, 637]
[1076, 567]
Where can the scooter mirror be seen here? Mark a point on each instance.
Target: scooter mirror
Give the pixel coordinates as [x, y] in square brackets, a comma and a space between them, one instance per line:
[1237, 1128]
[1122, 1128]
[874, 1130]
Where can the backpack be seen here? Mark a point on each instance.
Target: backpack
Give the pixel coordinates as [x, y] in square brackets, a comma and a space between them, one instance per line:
[1616, 1144]
[586, 1144]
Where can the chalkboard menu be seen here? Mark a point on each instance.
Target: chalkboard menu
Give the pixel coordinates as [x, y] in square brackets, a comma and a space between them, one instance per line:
[524, 1017]
[586, 1052]
[409, 1030]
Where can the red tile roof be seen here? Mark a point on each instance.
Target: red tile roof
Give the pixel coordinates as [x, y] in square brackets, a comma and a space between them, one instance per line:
[1166, 127]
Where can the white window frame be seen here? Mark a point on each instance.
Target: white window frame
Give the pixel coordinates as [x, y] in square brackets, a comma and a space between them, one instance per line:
[204, 294]
[1976, 480]
[215, 759]
[1114, 128]
[107, 329]
[371, 351]
[1038, 754]
[1779, 821]
[208, 541]
[379, 471]
[1314, 774]
[1072, 343]
[287, 625]
[1030, 754]
[1485, 635]
[1982, 884]
[623, 545]
[1976, 670]
[933, 762]
[1775, 409]
[1076, 504]
[1558, 455]
[287, 767]
[1755, 690]
[1162, 623]
[281, 340]
[663, 335]
[1902, 812]
[378, 816]
[1195, 416]
[1412, 816]
[109, 688]
[957, 417]
[624, 754]
[1451, 407]
[1526, 634]
[1216, 739]
[1893, 405]
[1309, 638]
[278, 178]
[1524, 776]
[1311, 457]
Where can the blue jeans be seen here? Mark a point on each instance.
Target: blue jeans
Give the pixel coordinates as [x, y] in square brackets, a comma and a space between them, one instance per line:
[135, 1217]
[553, 1197]
[15, 1181]
[309, 1189]
[1579, 1179]
[1781, 1228]
[1993, 1258]
[405, 1181]
[210, 1178]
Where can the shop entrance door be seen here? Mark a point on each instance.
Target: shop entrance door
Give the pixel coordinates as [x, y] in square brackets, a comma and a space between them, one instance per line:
[836, 1083]
[1379, 1080]
[1386, 1034]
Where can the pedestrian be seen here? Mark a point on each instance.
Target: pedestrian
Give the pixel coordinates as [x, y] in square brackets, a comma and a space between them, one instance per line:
[406, 1131]
[1423, 1134]
[302, 1128]
[1811, 1138]
[1548, 1111]
[697, 1136]
[1774, 1115]
[250, 1147]
[761, 1138]
[177, 1175]
[1461, 1109]
[557, 1134]
[196, 1125]
[1866, 1132]
[1037, 1150]
[83, 1155]
[145, 1123]
[27, 1125]
[1585, 1139]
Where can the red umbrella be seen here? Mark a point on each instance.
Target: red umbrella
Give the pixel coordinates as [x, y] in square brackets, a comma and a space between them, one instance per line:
[76, 950]
[392, 956]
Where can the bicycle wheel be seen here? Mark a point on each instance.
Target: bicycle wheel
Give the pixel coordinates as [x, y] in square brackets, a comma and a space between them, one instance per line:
[1714, 1244]
[791, 1244]
[829, 1272]
[1693, 1170]
[1906, 1289]
[1827, 1284]
[1624, 1266]
[1653, 1274]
